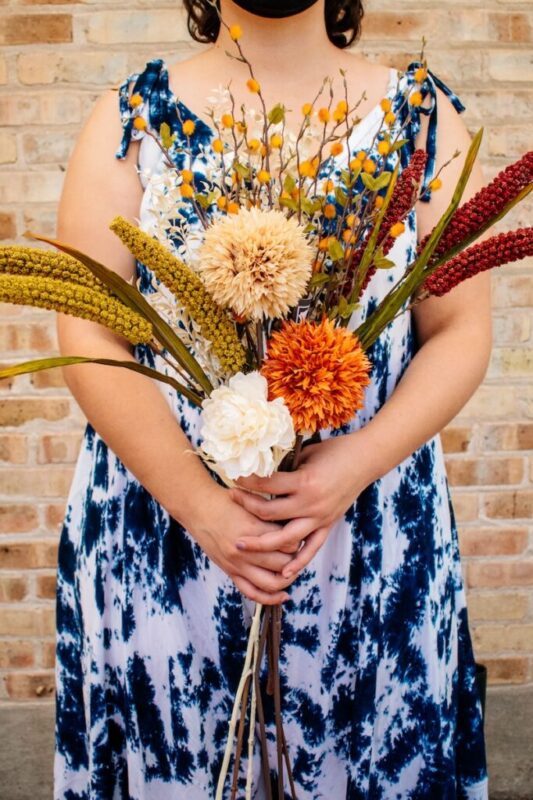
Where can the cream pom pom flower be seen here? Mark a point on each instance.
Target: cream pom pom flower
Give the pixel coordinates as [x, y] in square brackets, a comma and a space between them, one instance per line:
[257, 263]
[243, 432]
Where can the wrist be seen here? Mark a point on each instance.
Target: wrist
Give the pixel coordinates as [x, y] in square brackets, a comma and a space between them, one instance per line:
[195, 501]
[370, 455]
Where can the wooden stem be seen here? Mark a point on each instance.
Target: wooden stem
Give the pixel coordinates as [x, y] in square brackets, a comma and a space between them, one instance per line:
[240, 737]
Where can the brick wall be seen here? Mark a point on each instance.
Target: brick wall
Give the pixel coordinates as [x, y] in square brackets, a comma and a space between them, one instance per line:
[56, 58]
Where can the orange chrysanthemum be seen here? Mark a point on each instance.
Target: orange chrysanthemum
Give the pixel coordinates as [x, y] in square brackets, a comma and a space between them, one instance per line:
[320, 371]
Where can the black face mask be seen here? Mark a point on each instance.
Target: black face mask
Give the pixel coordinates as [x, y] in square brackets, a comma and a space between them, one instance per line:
[275, 8]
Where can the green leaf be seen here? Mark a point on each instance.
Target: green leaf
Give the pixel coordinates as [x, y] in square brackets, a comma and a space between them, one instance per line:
[64, 361]
[241, 170]
[369, 181]
[308, 206]
[335, 249]
[383, 263]
[276, 114]
[318, 279]
[167, 138]
[132, 298]
[288, 202]
[397, 145]
[383, 180]
[340, 196]
[289, 184]
[346, 177]
[356, 171]
[202, 200]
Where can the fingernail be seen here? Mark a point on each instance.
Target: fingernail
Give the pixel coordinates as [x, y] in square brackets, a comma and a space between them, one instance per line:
[288, 574]
[240, 546]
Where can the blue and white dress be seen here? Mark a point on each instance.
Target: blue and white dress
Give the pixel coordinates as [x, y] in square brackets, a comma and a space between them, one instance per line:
[378, 676]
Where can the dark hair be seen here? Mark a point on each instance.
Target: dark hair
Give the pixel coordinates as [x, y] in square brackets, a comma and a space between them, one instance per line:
[342, 17]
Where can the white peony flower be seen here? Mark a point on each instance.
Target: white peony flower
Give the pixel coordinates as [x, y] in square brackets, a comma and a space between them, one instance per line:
[244, 432]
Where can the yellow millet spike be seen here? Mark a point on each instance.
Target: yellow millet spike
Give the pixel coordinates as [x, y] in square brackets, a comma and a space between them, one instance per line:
[215, 324]
[78, 301]
[19, 260]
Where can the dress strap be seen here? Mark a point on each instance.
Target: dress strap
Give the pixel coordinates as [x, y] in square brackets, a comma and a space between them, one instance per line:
[150, 99]
[427, 87]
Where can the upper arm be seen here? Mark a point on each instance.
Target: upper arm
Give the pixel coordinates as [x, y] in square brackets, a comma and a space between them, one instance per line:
[469, 303]
[97, 187]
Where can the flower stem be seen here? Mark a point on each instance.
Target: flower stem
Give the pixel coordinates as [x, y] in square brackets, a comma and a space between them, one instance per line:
[240, 737]
[253, 636]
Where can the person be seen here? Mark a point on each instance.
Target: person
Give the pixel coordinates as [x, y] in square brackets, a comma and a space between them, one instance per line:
[160, 565]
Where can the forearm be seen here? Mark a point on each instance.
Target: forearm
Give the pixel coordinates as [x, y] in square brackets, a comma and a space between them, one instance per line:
[131, 414]
[439, 380]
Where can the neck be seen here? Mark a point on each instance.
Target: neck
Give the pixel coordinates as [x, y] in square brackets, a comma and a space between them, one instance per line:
[282, 44]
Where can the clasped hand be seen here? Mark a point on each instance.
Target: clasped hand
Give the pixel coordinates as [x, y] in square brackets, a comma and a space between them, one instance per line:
[278, 537]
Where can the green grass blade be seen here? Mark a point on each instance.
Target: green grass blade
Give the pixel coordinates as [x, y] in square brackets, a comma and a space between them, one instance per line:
[65, 361]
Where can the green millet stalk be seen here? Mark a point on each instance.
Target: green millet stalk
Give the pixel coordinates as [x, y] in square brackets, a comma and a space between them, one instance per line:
[215, 324]
[78, 301]
[19, 260]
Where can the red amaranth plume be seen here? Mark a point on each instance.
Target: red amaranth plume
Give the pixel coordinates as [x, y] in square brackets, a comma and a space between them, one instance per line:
[485, 204]
[403, 197]
[500, 249]
[401, 203]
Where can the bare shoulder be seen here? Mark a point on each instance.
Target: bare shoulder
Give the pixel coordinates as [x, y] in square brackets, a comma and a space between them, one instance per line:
[98, 186]
[364, 75]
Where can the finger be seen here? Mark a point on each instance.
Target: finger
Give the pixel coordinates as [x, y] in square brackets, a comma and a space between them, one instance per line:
[291, 534]
[309, 549]
[253, 593]
[267, 510]
[278, 483]
[265, 579]
[275, 562]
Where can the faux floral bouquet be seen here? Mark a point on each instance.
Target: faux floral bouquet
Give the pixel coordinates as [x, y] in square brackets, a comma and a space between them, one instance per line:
[252, 318]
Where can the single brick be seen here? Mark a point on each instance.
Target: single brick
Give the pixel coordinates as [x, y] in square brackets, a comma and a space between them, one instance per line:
[16, 654]
[492, 541]
[484, 471]
[492, 574]
[12, 589]
[507, 436]
[8, 225]
[497, 606]
[506, 670]
[13, 448]
[46, 586]
[27, 621]
[513, 504]
[19, 410]
[18, 518]
[36, 29]
[502, 638]
[25, 482]
[58, 448]
[30, 685]
[28, 555]
[456, 439]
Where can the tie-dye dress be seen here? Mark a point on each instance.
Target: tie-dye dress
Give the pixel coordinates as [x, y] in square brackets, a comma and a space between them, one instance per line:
[378, 676]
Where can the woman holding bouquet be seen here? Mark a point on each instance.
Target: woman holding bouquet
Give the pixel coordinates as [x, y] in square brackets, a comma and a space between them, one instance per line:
[160, 566]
